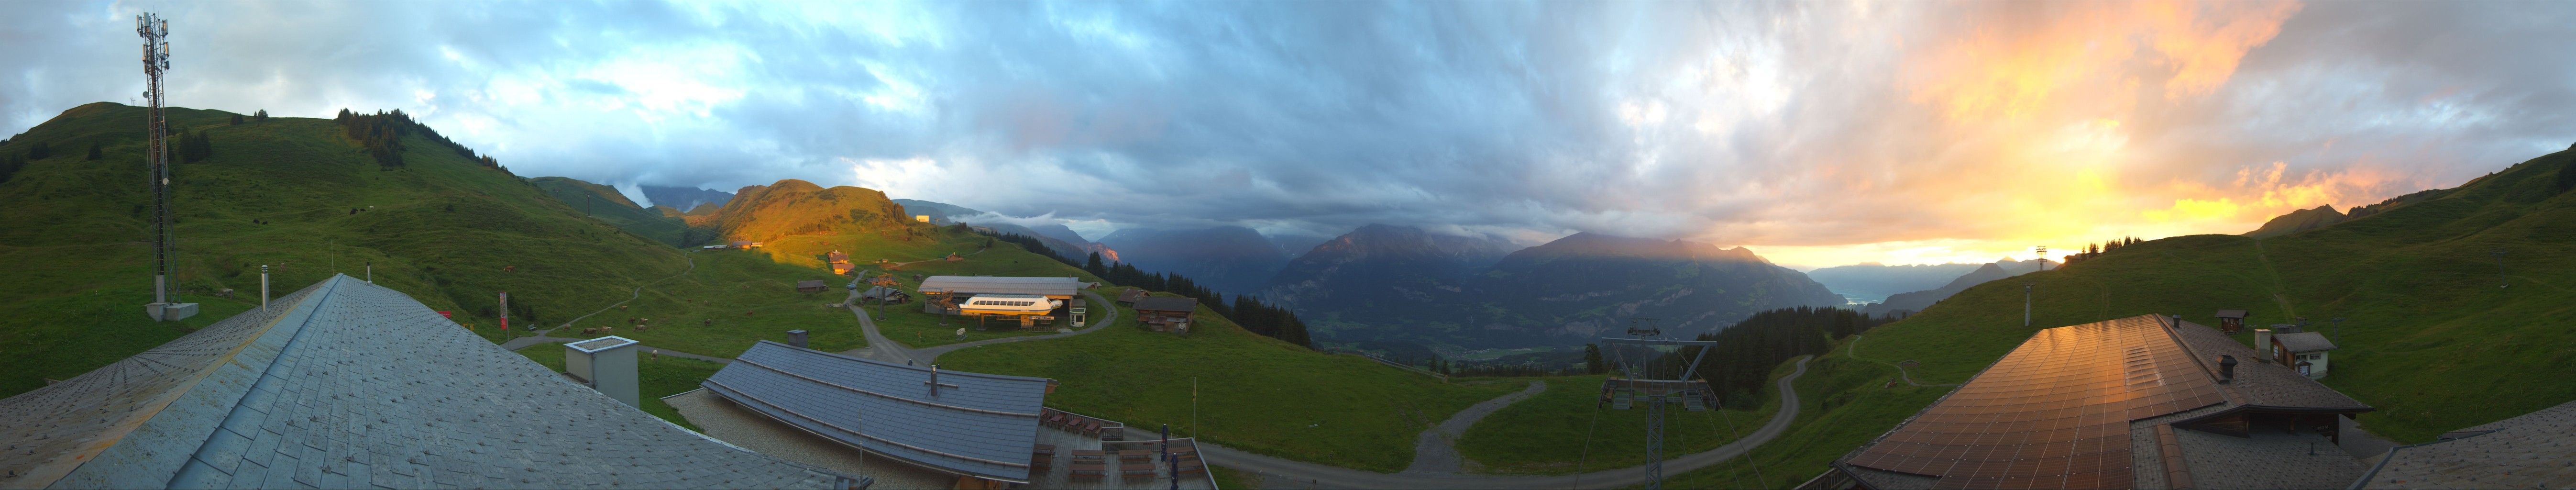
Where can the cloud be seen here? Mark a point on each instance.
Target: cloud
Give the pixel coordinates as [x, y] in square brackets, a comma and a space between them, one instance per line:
[1895, 132]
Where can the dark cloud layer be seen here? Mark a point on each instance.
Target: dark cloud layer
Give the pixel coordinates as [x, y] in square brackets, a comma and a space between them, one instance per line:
[1877, 131]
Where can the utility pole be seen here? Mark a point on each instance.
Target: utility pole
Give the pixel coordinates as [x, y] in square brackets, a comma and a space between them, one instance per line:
[263, 288]
[2025, 303]
[2338, 330]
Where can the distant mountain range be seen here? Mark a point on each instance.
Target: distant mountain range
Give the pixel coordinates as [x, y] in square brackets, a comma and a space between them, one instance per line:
[684, 198]
[1229, 259]
[607, 204]
[1059, 239]
[1918, 300]
[1384, 284]
[1875, 282]
[1380, 264]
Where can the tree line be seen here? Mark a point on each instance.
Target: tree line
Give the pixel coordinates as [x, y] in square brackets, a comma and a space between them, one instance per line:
[1739, 366]
[2092, 250]
[381, 134]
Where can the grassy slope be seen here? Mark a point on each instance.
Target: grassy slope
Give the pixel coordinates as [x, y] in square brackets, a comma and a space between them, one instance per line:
[733, 299]
[655, 377]
[606, 204]
[1253, 392]
[1532, 436]
[441, 229]
[2431, 340]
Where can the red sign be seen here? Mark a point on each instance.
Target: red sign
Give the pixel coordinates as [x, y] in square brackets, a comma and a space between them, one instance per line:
[446, 314]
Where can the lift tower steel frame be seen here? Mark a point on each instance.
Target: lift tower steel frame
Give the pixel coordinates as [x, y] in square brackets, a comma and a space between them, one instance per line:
[156, 156]
[1636, 381]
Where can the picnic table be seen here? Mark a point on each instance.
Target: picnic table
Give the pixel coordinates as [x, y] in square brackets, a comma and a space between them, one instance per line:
[1136, 468]
[1088, 471]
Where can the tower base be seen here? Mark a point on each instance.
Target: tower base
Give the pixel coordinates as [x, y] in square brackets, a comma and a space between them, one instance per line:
[170, 312]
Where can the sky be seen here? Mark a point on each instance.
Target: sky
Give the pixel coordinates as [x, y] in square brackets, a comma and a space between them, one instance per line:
[1816, 133]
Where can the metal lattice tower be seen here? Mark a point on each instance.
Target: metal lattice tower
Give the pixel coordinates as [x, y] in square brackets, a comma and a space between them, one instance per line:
[156, 149]
[1639, 381]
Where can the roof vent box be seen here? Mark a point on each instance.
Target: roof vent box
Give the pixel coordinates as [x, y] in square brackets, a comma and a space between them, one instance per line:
[607, 364]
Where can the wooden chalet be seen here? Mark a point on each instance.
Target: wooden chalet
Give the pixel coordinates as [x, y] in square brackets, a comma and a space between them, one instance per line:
[813, 286]
[1166, 314]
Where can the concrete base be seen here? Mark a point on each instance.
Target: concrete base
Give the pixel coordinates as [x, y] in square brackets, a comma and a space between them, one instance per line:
[170, 312]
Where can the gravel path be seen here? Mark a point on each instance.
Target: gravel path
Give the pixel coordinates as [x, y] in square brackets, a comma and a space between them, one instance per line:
[1285, 473]
[1854, 352]
[1437, 450]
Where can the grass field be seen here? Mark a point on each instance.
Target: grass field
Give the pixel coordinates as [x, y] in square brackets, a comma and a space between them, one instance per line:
[733, 299]
[1253, 393]
[655, 377]
[280, 193]
[1562, 430]
[2430, 339]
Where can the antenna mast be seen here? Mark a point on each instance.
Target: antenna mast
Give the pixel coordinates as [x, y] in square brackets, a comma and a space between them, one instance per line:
[156, 156]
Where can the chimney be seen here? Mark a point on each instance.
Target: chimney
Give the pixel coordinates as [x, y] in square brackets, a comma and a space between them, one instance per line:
[2226, 369]
[2263, 342]
[796, 338]
[606, 364]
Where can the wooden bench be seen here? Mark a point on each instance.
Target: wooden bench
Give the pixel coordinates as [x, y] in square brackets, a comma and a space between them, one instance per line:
[1136, 469]
[1088, 471]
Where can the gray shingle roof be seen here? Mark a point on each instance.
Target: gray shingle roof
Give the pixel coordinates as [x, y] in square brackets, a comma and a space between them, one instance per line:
[2304, 342]
[984, 425]
[351, 385]
[1042, 286]
[2231, 313]
[2260, 383]
[2534, 450]
[1159, 303]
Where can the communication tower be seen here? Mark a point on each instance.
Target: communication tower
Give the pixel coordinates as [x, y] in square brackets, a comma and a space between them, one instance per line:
[156, 157]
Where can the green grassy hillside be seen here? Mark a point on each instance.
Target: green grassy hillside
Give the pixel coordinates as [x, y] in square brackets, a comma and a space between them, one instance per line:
[2431, 339]
[606, 204]
[278, 192]
[1252, 392]
[795, 207]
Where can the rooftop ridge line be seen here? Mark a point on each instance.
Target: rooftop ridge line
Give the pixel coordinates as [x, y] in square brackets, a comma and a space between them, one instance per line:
[864, 391]
[263, 375]
[51, 473]
[870, 436]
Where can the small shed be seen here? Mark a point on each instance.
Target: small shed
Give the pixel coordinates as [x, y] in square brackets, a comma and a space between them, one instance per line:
[813, 286]
[886, 294]
[953, 257]
[2303, 351]
[2231, 321]
[1131, 295]
[1166, 314]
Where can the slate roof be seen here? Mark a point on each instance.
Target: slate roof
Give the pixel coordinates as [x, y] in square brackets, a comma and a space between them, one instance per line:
[2013, 411]
[2260, 383]
[2535, 450]
[2231, 313]
[1159, 303]
[2304, 342]
[1041, 286]
[984, 426]
[346, 384]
